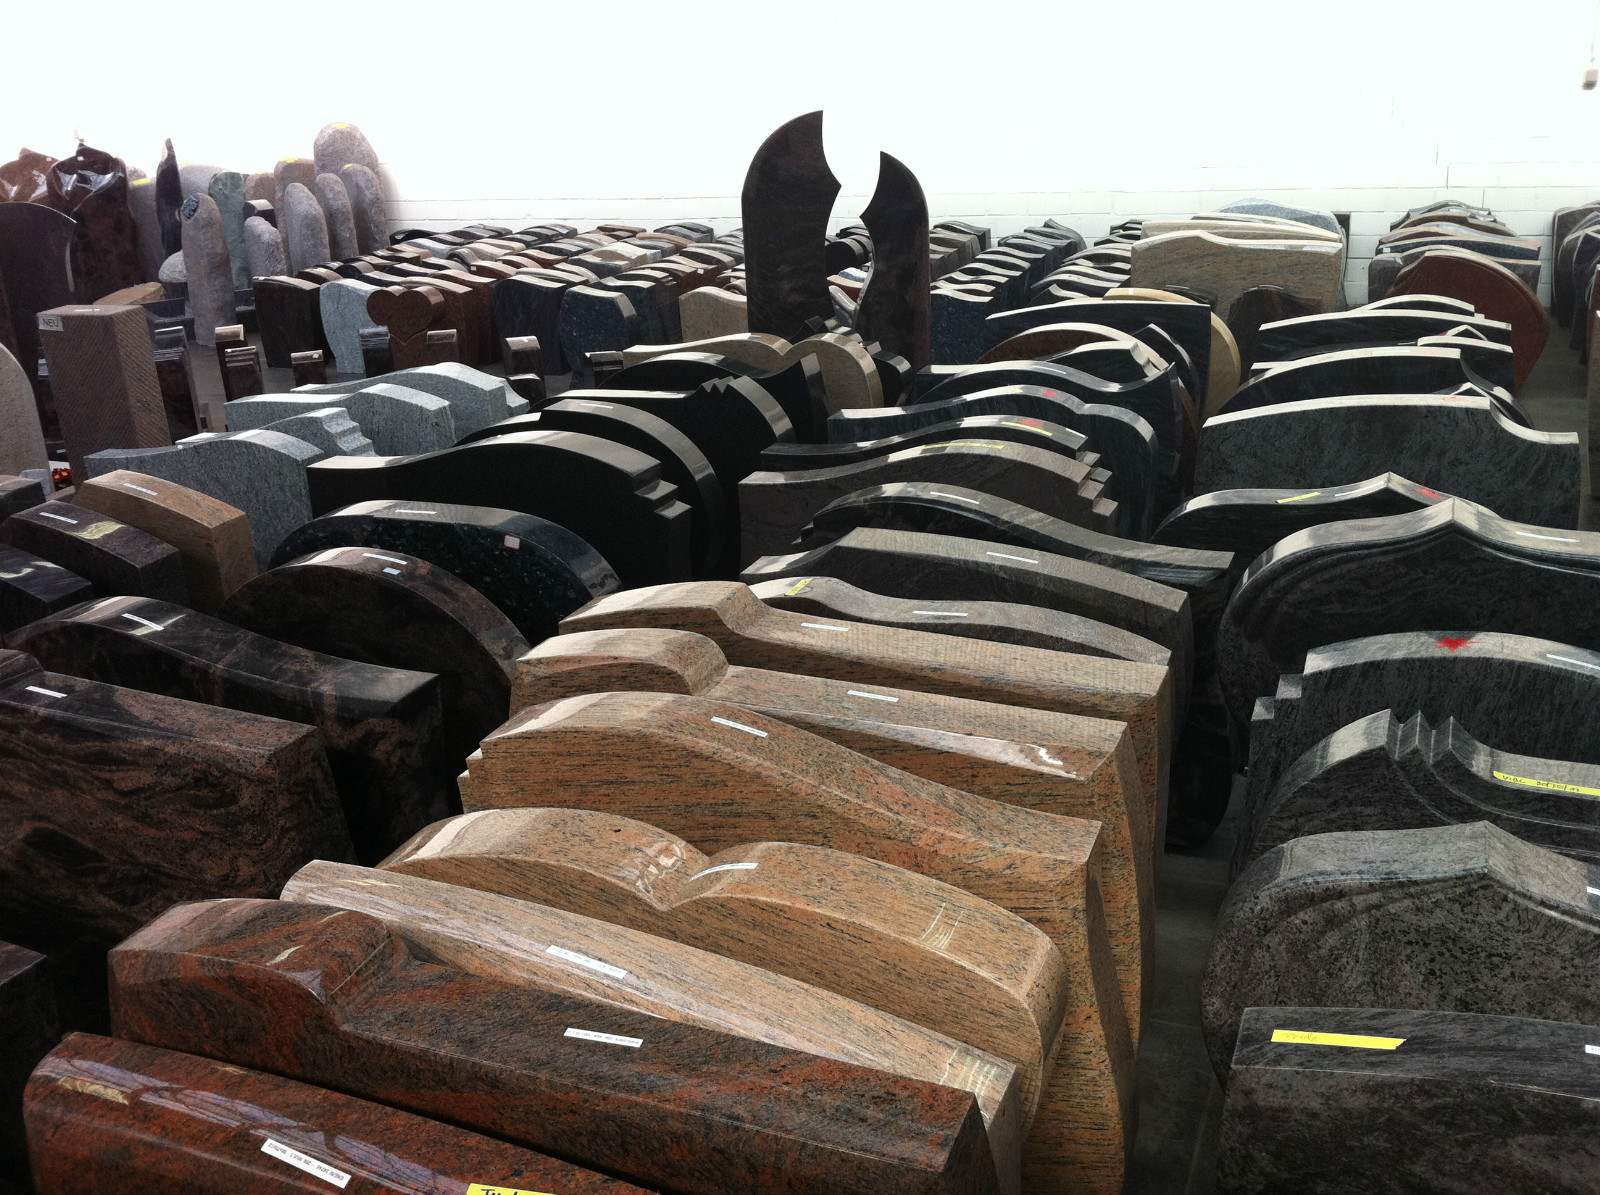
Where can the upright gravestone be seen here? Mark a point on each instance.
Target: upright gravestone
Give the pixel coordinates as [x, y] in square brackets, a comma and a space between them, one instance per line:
[207, 267]
[227, 189]
[365, 190]
[895, 308]
[21, 441]
[788, 195]
[336, 205]
[103, 380]
[142, 202]
[305, 228]
[35, 276]
[169, 198]
[339, 143]
[265, 256]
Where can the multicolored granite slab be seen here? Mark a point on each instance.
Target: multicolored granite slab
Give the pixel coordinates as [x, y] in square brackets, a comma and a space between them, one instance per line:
[1328, 1100]
[117, 803]
[611, 496]
[535, 571]
[382, 727]
[1461, 918]
[1461, 445]
[849, 924]
[1077, 767]
[397, 612]
[107, 1115]
[1127, 443]
[332, 997]
[500, 937]
[1453, 566]
[754, 635]
[1141, 620]
[775, 506]
[1498, 688]
[111, 556]
[1384, 773]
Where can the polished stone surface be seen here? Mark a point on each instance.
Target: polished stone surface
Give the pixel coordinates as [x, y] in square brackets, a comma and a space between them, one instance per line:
[338, 1000]
[1459, 918]
[476, 399]
[1127, 444]
[102, 380]
[1465, 1102]
[1286, 338]
[682, 463]
[114, 1115]
[1384, 773]
[397, 612]
[787, 198]
[1077, 767]
[118, 803]
[1137, 619]
[774, 507]
[32, 587]
[382, 727]
[537, 572]
[611, 496]
[500, 937]
[895, 307]
[1453, 568]
[1495, 687]
[212, 539]
[861, 933]
[28, 1011]
[1462, 446]
[1398, 369]
[754, 635]
[112, 556]
[1053, 437]
[800, 388]
[1493, 290]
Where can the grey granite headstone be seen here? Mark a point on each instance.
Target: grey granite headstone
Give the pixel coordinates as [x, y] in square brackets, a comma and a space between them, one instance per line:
[206, 267]
[344, 313]
[1496, 686]
[264, 249]
[21, 441]
[195, 178]
[328, 428]
[399, 421]
[172, 276]
[1458, 1102]
[304, 227]
[342, 142]
[227, 188]
[476, 399]
[1386, 773]
[142, 201]
[1314, 216]
[594, 320]
[1451, 919]
[263, 473]
[335, 202]
[367, 209]
[1463, 446]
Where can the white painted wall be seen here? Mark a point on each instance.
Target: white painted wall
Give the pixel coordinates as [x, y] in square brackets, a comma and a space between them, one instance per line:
[1008, 110]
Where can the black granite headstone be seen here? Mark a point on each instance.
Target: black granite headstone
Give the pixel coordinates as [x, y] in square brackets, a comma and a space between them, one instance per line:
[787, 198]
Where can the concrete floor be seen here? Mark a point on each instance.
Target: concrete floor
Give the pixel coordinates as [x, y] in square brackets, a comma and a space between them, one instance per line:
[1180, 1101]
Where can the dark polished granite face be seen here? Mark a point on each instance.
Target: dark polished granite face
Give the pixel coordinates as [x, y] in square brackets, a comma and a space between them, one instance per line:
[28, 1012]
[382, 726]
[1464, 1102]
[611, 496]
[397, 612]
[1493, 291]
[537, 572]
[1498, 688]
[1382, 773]
[111, 556]
[332, 997]
[799, 388]
[31, 587]
[1460, 445]
[1154, 618]
[682, 463]
[787, 198]
[895, 307]
[1399, 369]
[1459, 918]
[774, 507]
[1287, 338]
[1258, 306]
[19, 493]
[117, 803]
[1248, 522]
[1126, 443]
[108, 1115]
[1452, 568]
[1052, 437]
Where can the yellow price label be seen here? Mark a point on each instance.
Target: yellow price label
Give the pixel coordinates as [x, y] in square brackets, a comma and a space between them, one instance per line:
[1554, 786]
[1301, 497]
[1027, 427]
[485, 1189]
[794, 589]
[1351, 1040]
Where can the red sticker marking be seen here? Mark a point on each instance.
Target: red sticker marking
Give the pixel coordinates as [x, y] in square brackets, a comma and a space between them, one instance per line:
[1427, 493]
[1052, 394]
[1453, 645]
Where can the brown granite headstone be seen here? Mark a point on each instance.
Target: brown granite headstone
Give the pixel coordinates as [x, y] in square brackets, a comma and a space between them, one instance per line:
[103, 380]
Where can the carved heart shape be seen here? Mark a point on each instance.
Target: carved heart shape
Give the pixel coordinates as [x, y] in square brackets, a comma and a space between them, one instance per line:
[405, 311]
